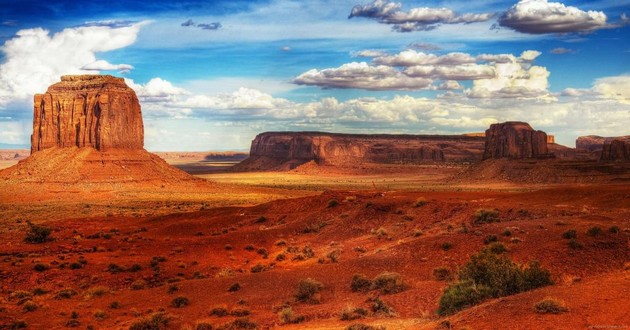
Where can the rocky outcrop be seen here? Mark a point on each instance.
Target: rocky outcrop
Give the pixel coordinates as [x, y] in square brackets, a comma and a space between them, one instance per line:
[98, 111]
[617, 149]
[591, 143]
[515, 140]
[285, 150]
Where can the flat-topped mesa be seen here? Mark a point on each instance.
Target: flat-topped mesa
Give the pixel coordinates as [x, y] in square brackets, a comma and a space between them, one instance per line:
[285, 150]
[617, 149]
[516, 140]
[98, 111]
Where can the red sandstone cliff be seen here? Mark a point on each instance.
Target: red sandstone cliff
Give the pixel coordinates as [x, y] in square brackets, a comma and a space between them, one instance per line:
[98, 111]
[516, 140]
[617, 149]
[282, 150]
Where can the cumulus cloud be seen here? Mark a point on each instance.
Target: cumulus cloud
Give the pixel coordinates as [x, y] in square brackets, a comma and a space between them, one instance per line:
[362, 75]
[412, 57]
[102, 65]
[513, 80]
[455, 72]
[34, 59]
[157, 90]
[616, 88]
[369, 53]
[541, 16]
[416, 19]
[204, 26]
[424, 46]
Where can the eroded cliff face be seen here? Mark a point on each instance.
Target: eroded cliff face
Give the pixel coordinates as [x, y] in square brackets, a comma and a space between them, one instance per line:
[515, 140]
[98, 111]
[273, 150]
[617, 149]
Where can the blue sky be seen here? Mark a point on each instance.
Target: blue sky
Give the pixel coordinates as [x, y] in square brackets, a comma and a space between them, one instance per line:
[212, 74]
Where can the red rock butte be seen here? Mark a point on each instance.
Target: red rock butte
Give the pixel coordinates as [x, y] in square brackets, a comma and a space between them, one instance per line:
[98, 111]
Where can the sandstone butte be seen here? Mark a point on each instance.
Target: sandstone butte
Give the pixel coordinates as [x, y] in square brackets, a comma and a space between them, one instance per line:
[516, 140]
[98, 111]
[617, 149]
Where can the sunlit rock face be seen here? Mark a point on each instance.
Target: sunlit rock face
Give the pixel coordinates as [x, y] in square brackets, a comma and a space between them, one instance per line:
[98, 111]
[516, 140]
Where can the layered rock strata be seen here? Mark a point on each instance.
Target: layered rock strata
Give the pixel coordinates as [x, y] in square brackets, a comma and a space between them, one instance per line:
[515, 140]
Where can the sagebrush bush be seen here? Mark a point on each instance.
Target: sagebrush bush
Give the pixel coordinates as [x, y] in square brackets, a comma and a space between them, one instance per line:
[380, 308]
[308, 291]
[351, 313]
[288, 316]
[36, 233]
[488, 275]
[486, 216]
[442, 274]
[594, 231]
[360, 283]
[332, 203]
[550, 306]
[569, 234]
[388, 283]
[180, 302]
[420, 202]
[156, 321]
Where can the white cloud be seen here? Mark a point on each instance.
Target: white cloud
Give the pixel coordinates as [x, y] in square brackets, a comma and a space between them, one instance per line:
[411, 57]
[513, 80]
[616, 88]
[363, 76]
[34, 59]
[416, 19]
[454, 72]
[541, 16]
[102, 65]
[156, 90]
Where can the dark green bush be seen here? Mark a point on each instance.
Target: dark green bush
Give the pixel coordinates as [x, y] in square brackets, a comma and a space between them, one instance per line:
[180, 302]
[574, 244]
[388, 283]
[333, 203]
[37, 234]
[442, 274]
[156, 321]
[488, 275]
[308, 290]
[550, 306]
[360, 283]
[569, 234]
[486, 216]
[490, 238]
[594, 231]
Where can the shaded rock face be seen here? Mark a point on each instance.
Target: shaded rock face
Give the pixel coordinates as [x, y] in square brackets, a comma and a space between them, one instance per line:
[591, 143]
[98, 111]
[617, 149]
[289, 149]
[516, 140]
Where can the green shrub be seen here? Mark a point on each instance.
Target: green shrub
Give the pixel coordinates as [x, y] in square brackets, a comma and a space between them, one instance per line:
[36, 233]
[156, 321]
[234, 287]
[65, 294]
[379, 307]
[614, 230]
[446, 246]
[361, 326]
[442, 274]
[219, 311]
[497, 248]
[550, 306]
[486, 216]
[352, 313]
[308, 291]
[332, 203]
[260, 219]
[388, 283]
[488, 275]
[288, 316]
[41, 267]
[203, 326]
[490, 238]
[507, 232]
[360, 283]
[180, 302]
[420, 202]
[594, 231]
[240, 323]
[240, 312]
[574, 244]
[29, 306]
[569, 234]
[18, 324]
[138, 285]
[114, 305]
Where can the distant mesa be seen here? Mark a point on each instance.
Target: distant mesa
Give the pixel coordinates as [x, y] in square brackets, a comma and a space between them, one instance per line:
[98, 111]
[617, 149]
[287, 150]
[516, 140]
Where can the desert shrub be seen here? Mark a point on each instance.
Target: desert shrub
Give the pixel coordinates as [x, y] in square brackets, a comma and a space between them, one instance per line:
[263, 252]
[569, 234]
[361, 326]
[29, 306]
[17, 324]
[352, 313]
[497, 248]
[490, 238]
[225, 272]
[380, 232]
[308, 252]
[238, 324]
[240, 312]
[73, 323]
[138, 285]
[507, 232]
[446, 246]
[219, 311]
[203, 326]
[442, 274]
[379, 307]
[234, 287]
[280, 242]
[308, 291]
[100, 315]
[156, 321]
[486, 216]
[488, 275]
[180, 302]
[228, 247]
[172, 289]
[65, 294]
[260, 219]
[332, 203]
[41, 267]
[388, 283]
[314, 227]
[96, 291]
[76, 265]
[249, 247]
[36, 233]
[420, 202]
[114, 305]
[594, 231]
[334, 255]
[259, 268]
[574, 244]
[550, 306]
[114, 268]
[614, 230]
[288, 316]
[360, 283]
[281, 257]
[135, 268]
[38, 291]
